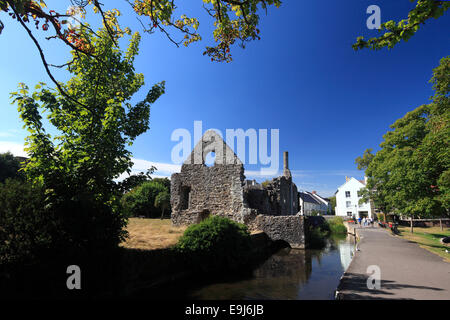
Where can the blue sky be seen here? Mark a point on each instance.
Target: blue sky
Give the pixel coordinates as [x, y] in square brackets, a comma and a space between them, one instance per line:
[329, 102]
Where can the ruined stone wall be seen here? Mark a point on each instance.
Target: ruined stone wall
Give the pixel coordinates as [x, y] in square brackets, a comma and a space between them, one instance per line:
[257, 198]
[200, 190]
[279, 197]
[287, 228]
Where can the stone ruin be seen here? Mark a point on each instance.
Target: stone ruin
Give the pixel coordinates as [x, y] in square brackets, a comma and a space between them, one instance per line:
[199, 191]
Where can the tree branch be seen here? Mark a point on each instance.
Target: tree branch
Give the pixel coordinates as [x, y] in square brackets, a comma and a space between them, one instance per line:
[44, 61]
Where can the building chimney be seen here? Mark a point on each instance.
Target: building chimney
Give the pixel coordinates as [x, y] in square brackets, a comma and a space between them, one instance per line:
[314, 192]
[286, 171]
[346, 179]
[285, 160]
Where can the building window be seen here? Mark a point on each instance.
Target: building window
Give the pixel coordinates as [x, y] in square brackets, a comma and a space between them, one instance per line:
[185, 195]
[347, 194]
[348, 204]
[349, 213]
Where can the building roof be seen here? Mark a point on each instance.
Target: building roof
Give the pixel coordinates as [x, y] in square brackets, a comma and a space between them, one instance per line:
[350, 179]
[312, 198]
[323, 200]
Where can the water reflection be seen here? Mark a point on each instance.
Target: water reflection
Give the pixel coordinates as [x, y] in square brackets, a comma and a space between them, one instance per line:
[289, 274]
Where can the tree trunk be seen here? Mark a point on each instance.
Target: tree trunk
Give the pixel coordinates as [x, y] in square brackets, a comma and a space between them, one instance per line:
[162, 213]
[412, 228]
[440, 224]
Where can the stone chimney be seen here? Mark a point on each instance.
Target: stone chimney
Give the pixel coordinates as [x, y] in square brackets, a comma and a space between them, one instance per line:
[346, 178]
[314, 192]
[286, 171]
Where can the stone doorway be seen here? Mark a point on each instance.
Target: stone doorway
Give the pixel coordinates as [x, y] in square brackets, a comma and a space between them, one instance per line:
[203, 215]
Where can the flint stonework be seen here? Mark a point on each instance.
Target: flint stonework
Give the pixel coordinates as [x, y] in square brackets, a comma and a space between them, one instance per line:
[200, 190]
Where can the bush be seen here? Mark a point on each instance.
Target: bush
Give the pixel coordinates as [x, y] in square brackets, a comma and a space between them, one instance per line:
[216, 243]
[26, 227]
[35, 227]
[316, 236]
[318, 229]
[141, 200]
[336, 225]
[9, 166]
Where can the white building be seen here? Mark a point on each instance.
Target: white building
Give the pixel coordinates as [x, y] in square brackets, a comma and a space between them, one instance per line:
[311, 202]
[347, 199]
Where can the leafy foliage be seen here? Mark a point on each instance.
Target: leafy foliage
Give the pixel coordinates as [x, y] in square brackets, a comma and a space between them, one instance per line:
[316, 235]
[162, 202]
[234, 20]
[26, 228]
[332, 204]
[78, 167]
[216, 243]
[26, 11]
[364, 161]
[336, 225]
[163, 181]
[140, 201]
[410, 174]
[9, 166]
[394, 32]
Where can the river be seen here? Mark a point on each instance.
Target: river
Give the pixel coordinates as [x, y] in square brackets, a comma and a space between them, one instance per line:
[289, 274]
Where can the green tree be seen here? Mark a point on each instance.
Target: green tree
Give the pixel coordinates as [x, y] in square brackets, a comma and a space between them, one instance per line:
[332, 204]
[164, 181]
[9, 166]
[394, 32]
[27, 228]
[79, 166]
[410, 173]
[364, 161]
[162, 202]
[140, 201]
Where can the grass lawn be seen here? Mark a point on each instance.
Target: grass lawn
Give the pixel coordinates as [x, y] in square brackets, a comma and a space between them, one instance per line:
[428, 238]
[149, 234]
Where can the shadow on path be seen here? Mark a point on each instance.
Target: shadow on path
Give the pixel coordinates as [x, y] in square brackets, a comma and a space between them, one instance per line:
[355, 287]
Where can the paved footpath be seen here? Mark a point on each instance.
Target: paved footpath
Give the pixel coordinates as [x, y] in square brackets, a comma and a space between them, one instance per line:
[407, 270]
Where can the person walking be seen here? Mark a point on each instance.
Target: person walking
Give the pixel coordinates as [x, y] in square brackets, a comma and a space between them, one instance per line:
[359, 221]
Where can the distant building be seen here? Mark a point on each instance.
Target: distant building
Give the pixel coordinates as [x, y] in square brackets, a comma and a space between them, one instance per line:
[311, 202]
[347, 199]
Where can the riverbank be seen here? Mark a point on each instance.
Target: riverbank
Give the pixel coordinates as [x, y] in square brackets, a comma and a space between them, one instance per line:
[406, 270]
[149, 273]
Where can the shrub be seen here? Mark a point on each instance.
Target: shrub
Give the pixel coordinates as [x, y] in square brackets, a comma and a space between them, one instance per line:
[26, 228]
[316, 236]
[35, 227]
[9, 166]
[336, 225]
[216, 243]
[141, 200]
[315, 213]
[380, 217]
